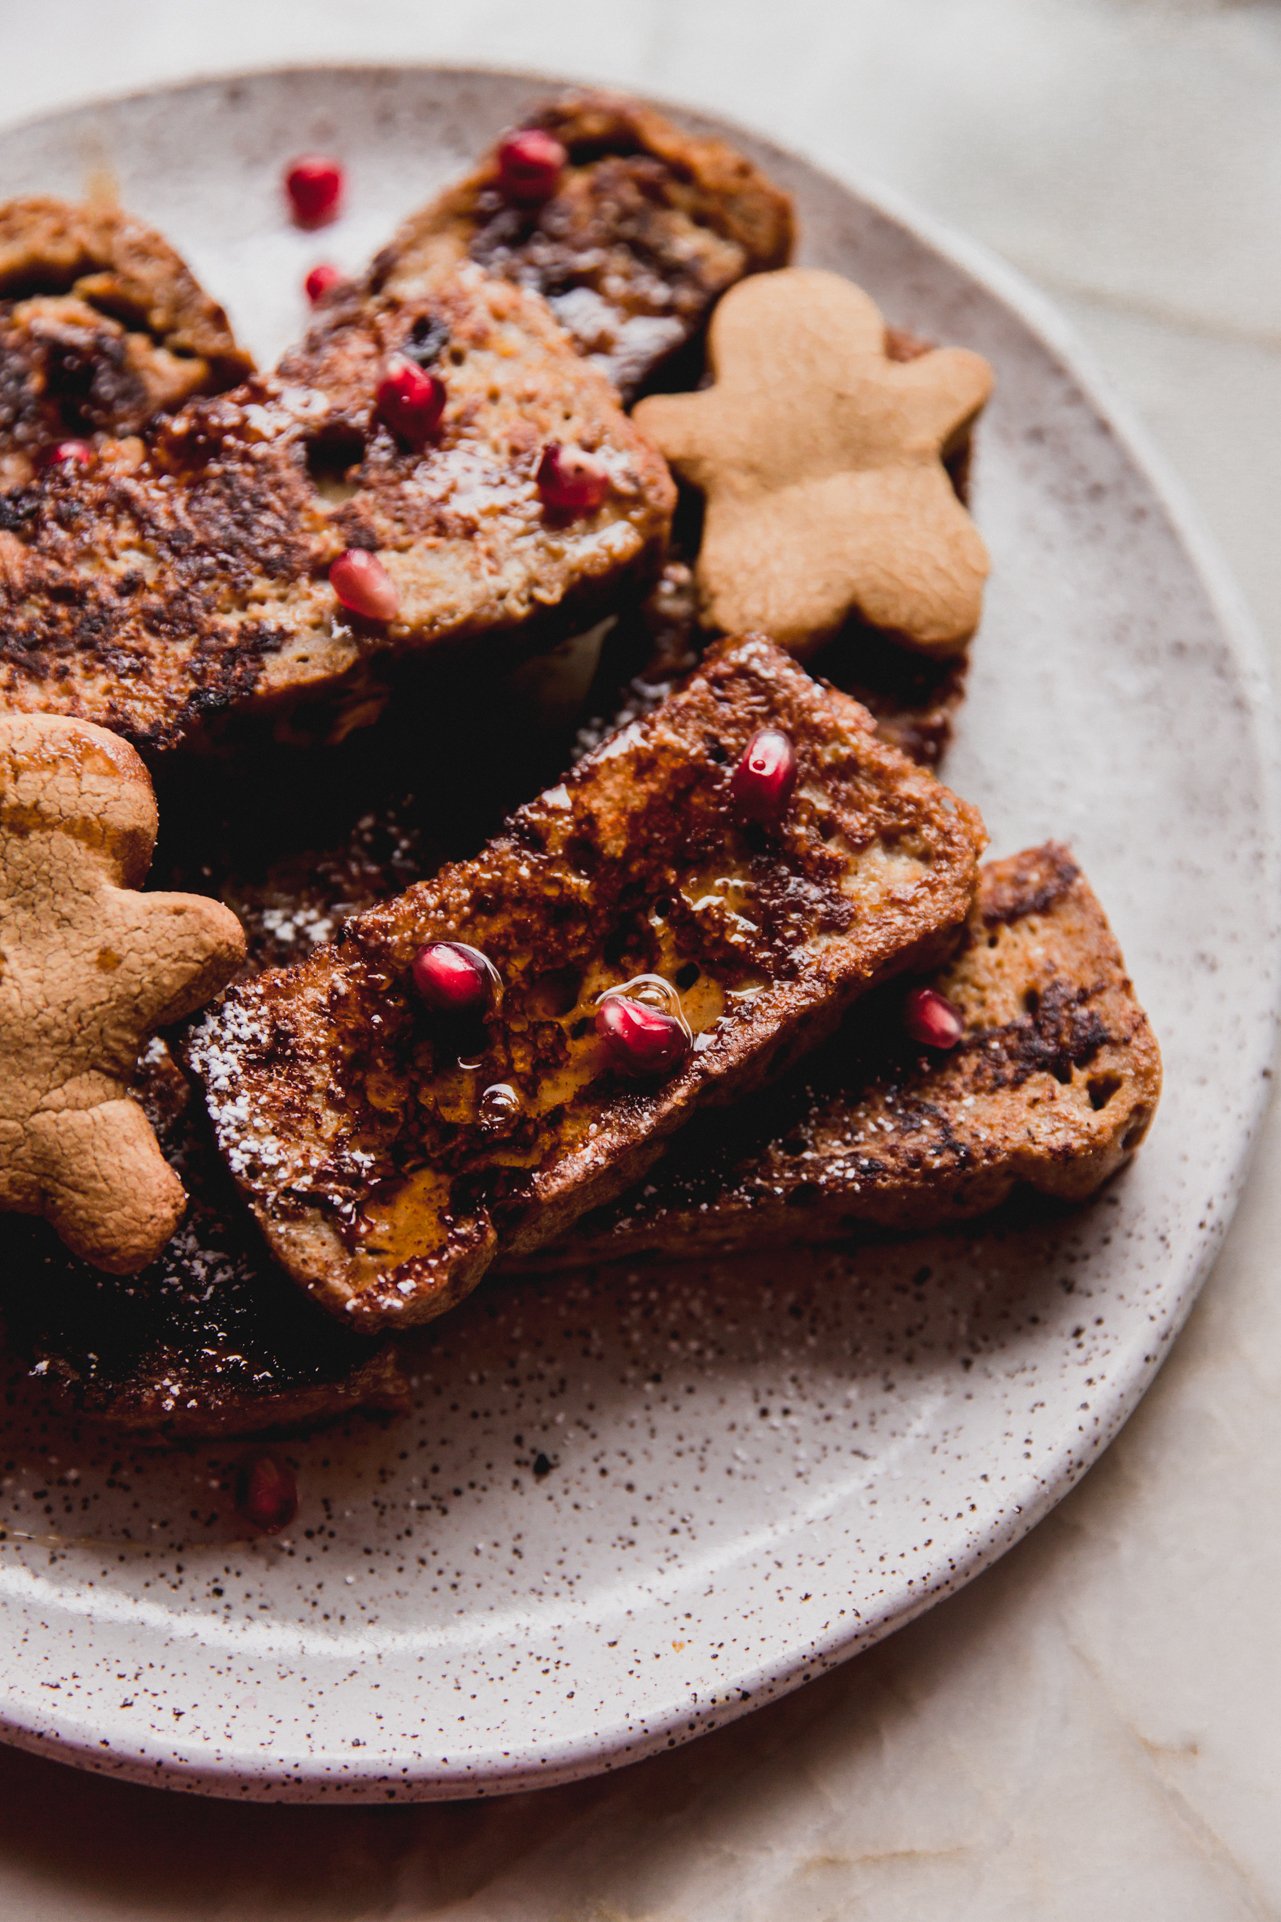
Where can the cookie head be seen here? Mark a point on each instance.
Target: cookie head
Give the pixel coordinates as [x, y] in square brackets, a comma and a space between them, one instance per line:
[89, 967]
[822, 463]
[64, 777]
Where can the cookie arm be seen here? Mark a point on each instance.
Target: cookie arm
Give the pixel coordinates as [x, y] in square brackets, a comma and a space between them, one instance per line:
[105, 1186]
[683, 427]
[944, 391]
[178, 951]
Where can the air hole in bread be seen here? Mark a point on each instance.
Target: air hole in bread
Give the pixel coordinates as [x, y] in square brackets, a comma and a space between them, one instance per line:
[1032, 1001]
[686, 976]
[558, 991]
[804, 1195]
[1101, 1088]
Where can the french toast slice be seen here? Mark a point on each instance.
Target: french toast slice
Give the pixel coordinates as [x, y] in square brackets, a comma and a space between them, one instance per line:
[647, 228]
[1052, 1088]
[1048, 1009]
[187, 572]
[102, 327]
[209, 1341]
[382, 1177]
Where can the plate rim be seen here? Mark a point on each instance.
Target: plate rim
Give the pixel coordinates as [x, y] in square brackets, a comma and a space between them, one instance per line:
[341, 1777]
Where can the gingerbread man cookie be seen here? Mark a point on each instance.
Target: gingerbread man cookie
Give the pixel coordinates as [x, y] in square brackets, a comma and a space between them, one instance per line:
[88, 967]
[822, 465]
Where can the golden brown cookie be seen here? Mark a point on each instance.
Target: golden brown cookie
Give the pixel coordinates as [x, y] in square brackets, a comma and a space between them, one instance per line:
[822, 465]
[88, 968]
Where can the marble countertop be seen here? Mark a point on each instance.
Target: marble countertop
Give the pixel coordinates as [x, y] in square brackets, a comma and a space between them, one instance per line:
[1090, 1729]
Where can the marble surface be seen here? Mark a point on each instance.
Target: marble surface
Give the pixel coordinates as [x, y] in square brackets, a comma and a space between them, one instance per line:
[1091, 1728]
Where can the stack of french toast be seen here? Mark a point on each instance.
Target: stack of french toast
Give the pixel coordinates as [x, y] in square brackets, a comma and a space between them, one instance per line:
[581, 492]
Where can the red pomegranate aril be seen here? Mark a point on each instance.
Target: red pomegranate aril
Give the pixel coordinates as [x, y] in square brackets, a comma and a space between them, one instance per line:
[410, 400]
[267, 1494]
[641, 1041]
[67, 453]
[530, 164]
[930, 1018]
[761, 785]
[322, 277]
[314, 184]
[570, 482]
[455, 980]
[364, 586]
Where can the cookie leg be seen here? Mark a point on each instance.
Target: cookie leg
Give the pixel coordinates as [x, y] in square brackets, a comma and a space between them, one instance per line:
[108, 1190]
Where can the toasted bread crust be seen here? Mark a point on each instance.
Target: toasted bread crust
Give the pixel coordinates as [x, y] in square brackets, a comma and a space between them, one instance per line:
[102, 326]
[647, 229]
[187, 573]
[357, 1138]
[1052, 1088]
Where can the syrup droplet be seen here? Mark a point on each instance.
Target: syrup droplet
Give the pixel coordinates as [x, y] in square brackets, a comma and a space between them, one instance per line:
[499, 1106]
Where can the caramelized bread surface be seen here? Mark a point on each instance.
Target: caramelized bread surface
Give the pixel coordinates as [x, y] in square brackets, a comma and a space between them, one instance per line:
[647, 229]
[102, 326]
[1052, 1087]
[357, 1127]
[187, 571]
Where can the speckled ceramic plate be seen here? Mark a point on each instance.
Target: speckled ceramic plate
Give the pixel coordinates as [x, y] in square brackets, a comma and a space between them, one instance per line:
[629, 1506]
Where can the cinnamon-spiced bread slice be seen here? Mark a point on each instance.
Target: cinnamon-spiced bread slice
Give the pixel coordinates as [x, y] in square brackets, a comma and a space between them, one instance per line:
[185, 573]
[388, 1161]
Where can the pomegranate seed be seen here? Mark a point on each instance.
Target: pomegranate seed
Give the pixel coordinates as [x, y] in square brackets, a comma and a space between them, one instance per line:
[314, 184]
[410, 400]
[319, 281]
[530, 164]
[931, 1019]
[67, 453]
[267, 1494]
[641, 1040]
[570, 482]
[762, 783]
[456, 980]
[363, 585]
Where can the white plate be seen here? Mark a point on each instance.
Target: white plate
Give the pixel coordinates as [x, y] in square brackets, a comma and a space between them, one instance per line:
[755, 1470]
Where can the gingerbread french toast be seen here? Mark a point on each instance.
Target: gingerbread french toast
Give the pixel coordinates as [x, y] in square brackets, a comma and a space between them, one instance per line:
[1051, 1087]
[102, 327]
[554, 1052]
[636, 231]
[388, 1158]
